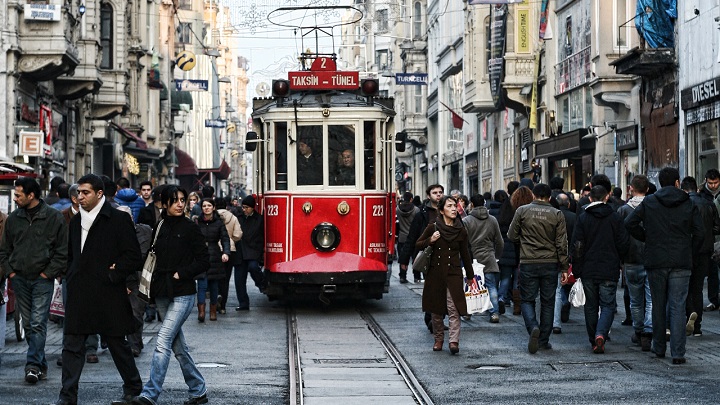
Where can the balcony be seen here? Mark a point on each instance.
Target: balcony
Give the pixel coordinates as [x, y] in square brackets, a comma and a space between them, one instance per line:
[519, 73]
[478, 98]
[45, 40]
[112, 98]
[85, 79]
[646, 62]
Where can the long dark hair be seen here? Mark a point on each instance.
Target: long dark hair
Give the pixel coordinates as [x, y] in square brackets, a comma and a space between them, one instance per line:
[170, 195]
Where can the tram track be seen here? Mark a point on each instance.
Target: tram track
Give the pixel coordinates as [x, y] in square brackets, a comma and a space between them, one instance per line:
[354, 359]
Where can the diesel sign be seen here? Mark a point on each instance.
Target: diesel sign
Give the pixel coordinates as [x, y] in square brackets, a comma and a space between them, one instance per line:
[700, 94]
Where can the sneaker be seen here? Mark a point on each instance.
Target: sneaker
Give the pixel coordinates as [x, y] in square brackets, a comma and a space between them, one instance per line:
[92, 358]
[697, 333]
[533, 342]
[599, 347]
[565, 313]
[403, 280]
[557, 331]
[711, 307]
[690, 326]
[501, 307]
[418, 280]
[494, 318]
[32, 376]
[42, 375]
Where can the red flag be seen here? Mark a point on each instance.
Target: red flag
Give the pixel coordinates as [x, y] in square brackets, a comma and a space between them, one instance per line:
[457, 120]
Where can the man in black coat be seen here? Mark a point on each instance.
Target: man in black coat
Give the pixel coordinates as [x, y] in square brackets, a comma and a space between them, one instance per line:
[427, 215]
[709, 191]
[671, 227]
[252, 248]
[562, 305]
[102, 252]
[701, 261]
[600, 243]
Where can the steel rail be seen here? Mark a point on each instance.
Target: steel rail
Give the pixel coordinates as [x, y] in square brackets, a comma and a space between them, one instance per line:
[294, 366]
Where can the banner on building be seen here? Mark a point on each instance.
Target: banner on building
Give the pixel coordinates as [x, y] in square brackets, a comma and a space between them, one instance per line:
[543, 18]
[494, 1]
[496, 64]
[191, 85]
[42, 12]
[411, 79]
[215, 123]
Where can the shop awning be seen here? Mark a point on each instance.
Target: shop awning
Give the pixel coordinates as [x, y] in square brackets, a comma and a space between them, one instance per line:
[12, 171]
[565, 145]
[180, 97]
[222, 172]
[129, 135]
[185, 164]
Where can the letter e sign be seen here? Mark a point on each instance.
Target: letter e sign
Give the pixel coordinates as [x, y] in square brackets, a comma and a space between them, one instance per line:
[31, 143]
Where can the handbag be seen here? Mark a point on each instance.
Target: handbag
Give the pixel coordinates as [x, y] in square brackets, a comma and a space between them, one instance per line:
[148, 269]
[57, 307]
[477, 296]
[422, 260]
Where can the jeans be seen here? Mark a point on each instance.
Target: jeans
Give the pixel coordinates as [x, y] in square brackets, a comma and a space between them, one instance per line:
[640, 300]
[561, 298]
[543, 278]
[33, 299]
[241, 272]
[204, 284]
[669, 287]
[171, 338]
[507, 283]
[491, 283]
[599, 294]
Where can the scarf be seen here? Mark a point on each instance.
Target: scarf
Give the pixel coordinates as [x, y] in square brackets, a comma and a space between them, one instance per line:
[635, 201]
[449, 232]
[86, 220]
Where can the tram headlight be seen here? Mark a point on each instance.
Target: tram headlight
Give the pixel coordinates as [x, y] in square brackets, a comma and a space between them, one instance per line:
[325, 237]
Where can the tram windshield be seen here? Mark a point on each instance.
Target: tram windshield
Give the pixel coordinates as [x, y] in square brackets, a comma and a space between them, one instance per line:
[326, 155]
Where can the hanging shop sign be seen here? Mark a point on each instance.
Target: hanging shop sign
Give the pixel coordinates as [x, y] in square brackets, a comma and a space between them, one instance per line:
[496, 64]
[42, 12]
[31, 143]
[411, 79]
[191, 85]
[215, 123]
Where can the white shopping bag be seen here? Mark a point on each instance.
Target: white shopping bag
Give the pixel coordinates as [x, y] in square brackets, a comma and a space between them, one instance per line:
[57, 307]
[577, 294]
[477, 296]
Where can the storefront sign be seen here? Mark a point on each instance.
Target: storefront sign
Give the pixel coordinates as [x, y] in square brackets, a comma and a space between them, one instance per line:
[191, 85]
[626, 138]
[42, 12]
[28, 115]
[703, 113]
[31, 143]
[523, 30]
[700, 94]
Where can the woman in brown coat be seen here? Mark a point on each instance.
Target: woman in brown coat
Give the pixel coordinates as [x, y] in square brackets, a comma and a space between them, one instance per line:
[444, 293]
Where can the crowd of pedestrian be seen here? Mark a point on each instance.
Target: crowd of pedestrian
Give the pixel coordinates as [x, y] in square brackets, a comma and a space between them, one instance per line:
[92, 241]
[537, 240]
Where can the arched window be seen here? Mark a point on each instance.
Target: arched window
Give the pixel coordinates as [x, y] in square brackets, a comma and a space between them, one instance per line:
[106, 36]
[417, 20]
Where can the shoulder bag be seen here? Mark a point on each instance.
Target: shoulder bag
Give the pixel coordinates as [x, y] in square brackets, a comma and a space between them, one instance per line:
[148, 269]
[422, 260]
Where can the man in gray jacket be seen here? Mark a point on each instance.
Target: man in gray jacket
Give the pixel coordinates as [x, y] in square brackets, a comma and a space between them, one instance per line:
[540, 230]
[486, 244]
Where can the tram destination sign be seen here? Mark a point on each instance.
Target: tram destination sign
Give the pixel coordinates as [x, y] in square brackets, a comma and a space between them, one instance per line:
[324, 80]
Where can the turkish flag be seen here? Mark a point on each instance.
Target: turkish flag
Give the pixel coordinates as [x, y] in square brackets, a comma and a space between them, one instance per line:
[457, 120]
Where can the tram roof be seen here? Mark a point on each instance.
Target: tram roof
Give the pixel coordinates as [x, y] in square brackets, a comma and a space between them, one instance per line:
[324, 99]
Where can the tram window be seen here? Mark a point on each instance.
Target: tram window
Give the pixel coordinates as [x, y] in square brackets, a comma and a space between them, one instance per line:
[369, 151]
[309, 157]
[281, 156]
[341, 148]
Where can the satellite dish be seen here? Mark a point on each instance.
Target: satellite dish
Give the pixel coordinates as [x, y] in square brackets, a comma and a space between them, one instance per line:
[262, 89]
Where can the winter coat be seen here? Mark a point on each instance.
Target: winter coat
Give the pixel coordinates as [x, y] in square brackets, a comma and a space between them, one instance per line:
[232, 225]
[636, 248]
[180, 248]
[405, 214]
[671, 227]
[600, 243]
[542, 234]
[215, 235]
[29, 248]
[253, 242]
[710, 219]
[494, 208]
[129, 198]
[97, 300]
[509, 254]
[421, 220]
[570, 218]
[486, 242]
[144, 237]
[62, 204]
[150, 215]
[445, 272]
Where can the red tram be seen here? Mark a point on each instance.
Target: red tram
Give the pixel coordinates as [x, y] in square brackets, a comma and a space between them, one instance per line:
[324, 158]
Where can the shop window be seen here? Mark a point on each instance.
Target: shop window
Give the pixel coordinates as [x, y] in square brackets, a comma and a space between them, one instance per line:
[106, 36]
[707, 147]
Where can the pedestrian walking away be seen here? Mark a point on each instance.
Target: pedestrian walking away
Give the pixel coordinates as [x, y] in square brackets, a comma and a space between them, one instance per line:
[443, 292]
[540, 230]
[671, 227]
[103, 252]
[600, 243]
[252, 248]
[33, 253]
[181, 255]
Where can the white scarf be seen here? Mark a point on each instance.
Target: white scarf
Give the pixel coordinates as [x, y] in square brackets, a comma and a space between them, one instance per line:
[87, 218]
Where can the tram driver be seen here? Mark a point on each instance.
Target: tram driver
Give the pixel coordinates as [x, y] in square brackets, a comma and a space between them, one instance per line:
[345, 174]
[309, 165]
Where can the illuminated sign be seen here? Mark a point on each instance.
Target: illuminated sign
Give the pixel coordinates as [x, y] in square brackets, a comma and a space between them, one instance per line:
[324, 80]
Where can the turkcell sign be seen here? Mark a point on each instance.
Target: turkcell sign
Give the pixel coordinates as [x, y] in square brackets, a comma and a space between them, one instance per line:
[411, 79]
[324, 80]
[216, 123]
[191, 85]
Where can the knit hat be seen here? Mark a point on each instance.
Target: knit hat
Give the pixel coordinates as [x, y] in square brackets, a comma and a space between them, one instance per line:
[249, 201]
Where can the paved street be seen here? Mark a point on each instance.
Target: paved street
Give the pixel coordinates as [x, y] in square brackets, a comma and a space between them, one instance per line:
[244, 359]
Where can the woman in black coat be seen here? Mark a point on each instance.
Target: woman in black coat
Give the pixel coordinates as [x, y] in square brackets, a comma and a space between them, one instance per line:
[213, 228]
[181, 256]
